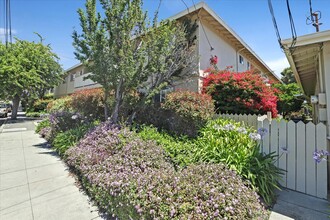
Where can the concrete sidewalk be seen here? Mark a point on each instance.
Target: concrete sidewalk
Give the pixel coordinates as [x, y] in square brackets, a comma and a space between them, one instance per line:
[299, 206]
[34, 182]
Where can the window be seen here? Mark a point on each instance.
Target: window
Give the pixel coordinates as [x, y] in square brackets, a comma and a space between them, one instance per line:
[248, 65]
[241, 59]
[72, 75]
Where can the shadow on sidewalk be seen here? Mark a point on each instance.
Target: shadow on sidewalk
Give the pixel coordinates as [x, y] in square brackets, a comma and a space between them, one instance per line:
[46, 145]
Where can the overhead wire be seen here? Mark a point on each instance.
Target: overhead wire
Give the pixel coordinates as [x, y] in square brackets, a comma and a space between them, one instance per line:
[9, 19]
[311, 11]
[270, 6]
[4, 18]
[207, 38]
[185, 5]
[292, 26]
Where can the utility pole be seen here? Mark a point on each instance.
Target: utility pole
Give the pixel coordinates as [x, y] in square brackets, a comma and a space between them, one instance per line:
[8, 35]
[316, 24]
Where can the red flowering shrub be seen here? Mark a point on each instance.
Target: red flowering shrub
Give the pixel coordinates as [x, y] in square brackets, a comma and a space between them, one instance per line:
[240, 93]
[182, 113]
[88, 102]
[190, 105]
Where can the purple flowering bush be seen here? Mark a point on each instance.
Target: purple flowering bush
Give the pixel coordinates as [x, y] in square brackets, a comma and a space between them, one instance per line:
[46, 133]
[63, 121]
[132, 178]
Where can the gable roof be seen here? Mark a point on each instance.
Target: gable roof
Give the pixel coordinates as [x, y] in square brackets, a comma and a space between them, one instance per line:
[303, 58]
[208, 15]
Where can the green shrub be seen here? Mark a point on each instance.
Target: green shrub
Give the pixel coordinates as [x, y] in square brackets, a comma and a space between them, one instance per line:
[34, 114]
[61, 104]
[182, 113]
[67, 139]
[226, 141]
[179, 149]
[43, 124]
[40, 105]
[132, 179]
[223, 141]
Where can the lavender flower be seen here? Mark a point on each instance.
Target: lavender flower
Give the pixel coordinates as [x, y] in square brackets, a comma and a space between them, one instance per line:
[242, 130]
[229, 127]
[255, 136]
[284, 150]
[320, 156]
[262, 132]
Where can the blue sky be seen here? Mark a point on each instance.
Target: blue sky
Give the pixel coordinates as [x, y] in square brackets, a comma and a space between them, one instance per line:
[55, 20]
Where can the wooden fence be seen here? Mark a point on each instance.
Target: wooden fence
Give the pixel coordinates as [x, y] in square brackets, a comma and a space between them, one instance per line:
[295, 144]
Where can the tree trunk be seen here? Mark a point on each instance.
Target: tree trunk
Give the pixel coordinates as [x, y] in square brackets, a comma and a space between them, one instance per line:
[119, 97]
[16, 100]
[106, 109]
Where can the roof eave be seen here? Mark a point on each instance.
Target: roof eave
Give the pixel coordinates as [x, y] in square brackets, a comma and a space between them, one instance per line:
[204, 6]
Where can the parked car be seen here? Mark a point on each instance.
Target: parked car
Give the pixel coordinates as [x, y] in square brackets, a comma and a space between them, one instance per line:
[3, 110]
[9, 107]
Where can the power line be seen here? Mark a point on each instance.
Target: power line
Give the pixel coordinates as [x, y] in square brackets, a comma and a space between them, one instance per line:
[207, 38]
[7, 22]
[185, 5]
[292, 26]
[311, 11]
[270, 6]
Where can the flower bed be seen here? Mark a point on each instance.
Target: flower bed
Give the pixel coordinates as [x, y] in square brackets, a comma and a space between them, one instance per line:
[133, 179]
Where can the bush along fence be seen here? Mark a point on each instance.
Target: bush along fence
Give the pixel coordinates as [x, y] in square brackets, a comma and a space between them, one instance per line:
[302, 151]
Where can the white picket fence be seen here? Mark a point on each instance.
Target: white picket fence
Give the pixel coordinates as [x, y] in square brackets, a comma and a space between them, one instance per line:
[295, 144]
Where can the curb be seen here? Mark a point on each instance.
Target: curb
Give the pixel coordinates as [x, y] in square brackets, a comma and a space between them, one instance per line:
[3, 125]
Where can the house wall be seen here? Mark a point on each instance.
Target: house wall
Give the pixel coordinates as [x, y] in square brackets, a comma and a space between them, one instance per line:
[81, 83]
[74, 81]
[226, 53]
[65, 88]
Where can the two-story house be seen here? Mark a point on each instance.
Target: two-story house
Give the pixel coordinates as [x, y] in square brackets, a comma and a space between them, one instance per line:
[213, 32]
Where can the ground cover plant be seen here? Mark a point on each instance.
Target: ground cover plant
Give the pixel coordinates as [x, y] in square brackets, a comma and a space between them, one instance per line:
[133, 178]
[228, 142]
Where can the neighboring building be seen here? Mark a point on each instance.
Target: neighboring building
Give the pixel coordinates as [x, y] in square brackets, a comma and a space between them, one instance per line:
[309, 59]
[230, 49]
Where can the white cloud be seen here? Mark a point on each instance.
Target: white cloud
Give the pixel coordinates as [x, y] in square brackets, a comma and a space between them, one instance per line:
[3, 30]
[278, 65]
[2, 34]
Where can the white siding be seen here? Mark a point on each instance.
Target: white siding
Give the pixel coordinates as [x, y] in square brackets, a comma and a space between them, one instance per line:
[227, 54]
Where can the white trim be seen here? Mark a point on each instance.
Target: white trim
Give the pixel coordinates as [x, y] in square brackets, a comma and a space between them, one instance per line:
[307, 39]
[73, 67]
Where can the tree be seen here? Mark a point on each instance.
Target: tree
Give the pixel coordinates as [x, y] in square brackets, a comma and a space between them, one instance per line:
[288, 76]
[27, 68]
[290, 98]
[126, 54]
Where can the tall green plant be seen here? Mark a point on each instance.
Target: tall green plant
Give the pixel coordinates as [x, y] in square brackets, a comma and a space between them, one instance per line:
[122, 51]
